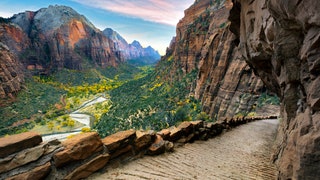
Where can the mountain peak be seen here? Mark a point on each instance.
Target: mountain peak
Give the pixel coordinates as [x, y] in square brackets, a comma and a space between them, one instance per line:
[136, 43]
[114, 36]
[50, 18]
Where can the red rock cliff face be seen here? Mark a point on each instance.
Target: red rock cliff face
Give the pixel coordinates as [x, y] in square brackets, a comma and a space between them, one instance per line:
[58, 37]
[280, 40]
[11, 76]
[225, 84]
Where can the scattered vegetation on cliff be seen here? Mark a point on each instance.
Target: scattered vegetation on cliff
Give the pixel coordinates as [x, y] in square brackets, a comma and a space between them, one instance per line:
[151, 103]
[46, 98]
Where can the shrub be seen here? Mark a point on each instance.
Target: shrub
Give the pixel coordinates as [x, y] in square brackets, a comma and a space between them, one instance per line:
[202, 116]
[85, 129]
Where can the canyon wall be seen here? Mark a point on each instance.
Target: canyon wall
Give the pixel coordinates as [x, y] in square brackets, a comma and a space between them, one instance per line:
[58, 37]
[225, 84]
[280, 41]
[11, 74]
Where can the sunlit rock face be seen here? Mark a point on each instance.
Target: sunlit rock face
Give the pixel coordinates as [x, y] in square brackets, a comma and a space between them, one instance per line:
[11, 74]
[280, 40]
[58, 37]
[224, 83]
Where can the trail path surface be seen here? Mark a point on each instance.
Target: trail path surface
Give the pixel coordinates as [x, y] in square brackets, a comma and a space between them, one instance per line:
[241, 153]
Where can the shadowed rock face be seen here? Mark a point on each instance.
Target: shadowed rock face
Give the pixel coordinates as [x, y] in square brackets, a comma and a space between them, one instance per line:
[280, 40]
[58, 37]
[225, 84]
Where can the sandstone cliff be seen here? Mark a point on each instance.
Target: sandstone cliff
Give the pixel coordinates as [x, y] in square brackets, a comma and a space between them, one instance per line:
[133, 51]
[225, 84]
[280, 40]
[11, 75]
[58, 37]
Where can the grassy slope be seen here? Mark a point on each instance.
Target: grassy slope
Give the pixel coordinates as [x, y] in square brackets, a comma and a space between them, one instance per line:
[150, 103]
[41, 100]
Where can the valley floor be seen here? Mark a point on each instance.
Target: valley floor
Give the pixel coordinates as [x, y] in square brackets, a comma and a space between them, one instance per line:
[242, 153]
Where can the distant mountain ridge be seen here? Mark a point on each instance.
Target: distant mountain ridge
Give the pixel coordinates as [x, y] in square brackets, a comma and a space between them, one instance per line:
[133, 51]
[58, 37]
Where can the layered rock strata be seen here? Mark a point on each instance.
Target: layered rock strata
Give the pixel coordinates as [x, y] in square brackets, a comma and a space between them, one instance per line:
[280, 41]
[59, 37]
[225, 84]
[47, 40]
[11, 74]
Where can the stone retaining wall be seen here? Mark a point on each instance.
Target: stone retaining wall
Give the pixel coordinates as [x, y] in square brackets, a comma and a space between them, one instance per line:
[25, 156]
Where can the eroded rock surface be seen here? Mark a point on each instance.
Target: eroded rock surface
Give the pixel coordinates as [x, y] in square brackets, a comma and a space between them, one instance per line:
[58, 37]
[11, 74]
[78, 148]
[204, 45]
[36, 174]
[119, 140]
[18, 142]
[280, 40]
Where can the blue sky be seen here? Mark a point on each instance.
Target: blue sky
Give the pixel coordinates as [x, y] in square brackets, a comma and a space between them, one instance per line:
[152, 22]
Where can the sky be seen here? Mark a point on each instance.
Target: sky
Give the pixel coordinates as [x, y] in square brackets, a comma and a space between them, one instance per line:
[151, 22]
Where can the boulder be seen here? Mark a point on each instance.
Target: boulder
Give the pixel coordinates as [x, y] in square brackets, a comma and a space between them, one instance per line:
[197, 124]
[18, 142]
[144, 139]
[26, 156]
[175, 134]
[37, 173]
[158, 147]
[77, 148]
[164, 133]
[186, 127]
[119, 140]
[88, 168]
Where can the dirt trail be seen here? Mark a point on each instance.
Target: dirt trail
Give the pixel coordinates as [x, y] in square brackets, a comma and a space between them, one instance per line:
[242, 153]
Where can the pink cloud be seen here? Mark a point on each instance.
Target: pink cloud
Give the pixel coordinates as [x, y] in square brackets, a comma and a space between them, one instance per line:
[160, 11]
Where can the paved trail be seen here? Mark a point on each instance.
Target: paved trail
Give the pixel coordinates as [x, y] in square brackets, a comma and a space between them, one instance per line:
[242, 153]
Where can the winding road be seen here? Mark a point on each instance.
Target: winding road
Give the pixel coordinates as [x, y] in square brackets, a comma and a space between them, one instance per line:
[77, 116]
[241, 153]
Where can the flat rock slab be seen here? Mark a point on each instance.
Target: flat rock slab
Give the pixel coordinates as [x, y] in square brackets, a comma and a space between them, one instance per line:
[18, 142]
[88, 168]
[77, 148]
[119, 140]
[241, 153]
[38, 173]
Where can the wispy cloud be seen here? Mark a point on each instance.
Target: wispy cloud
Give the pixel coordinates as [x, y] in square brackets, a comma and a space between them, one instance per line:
[160, 11]
[6, 14]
